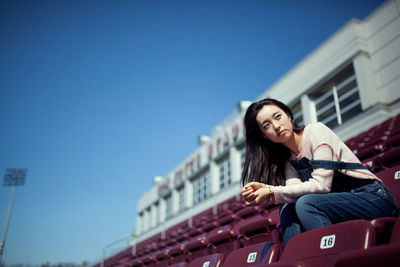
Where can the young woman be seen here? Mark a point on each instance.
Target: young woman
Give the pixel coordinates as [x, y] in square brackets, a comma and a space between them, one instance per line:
[309, 170]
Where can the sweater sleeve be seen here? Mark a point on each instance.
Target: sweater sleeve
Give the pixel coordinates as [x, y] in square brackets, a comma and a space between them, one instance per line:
[321, 148]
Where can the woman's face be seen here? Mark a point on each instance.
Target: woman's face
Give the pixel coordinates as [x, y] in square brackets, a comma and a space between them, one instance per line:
[274, 124]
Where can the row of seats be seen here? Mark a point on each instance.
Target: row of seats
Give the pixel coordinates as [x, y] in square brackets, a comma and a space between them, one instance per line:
[344, 244]
[234, 235]
[227, 213]
[378, 148]
[351, 243]
[223, 239]
[377, 134]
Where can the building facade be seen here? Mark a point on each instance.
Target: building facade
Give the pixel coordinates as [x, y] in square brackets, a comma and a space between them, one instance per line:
[351, 82]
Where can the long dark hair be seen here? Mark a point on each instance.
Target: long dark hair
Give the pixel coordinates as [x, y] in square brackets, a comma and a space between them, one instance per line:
[265, 160]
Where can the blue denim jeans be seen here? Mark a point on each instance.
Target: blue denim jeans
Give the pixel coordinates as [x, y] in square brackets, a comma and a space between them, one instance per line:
[349, 199]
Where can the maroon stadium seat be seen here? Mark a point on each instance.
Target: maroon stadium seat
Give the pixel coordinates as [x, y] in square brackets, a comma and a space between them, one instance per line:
[213, 260]
[253, 230]
[320, 247]
[196, 247]
[383, 229]
[391, 178]
[222, 240]
[384, 255]
[161, 257]
[264, 252]
[388, 159]
[177, 253]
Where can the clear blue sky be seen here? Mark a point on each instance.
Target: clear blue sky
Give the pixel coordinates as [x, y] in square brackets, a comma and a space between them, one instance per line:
[97, 97]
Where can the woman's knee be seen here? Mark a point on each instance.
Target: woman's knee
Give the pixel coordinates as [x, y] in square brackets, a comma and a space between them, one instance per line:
[305, 204]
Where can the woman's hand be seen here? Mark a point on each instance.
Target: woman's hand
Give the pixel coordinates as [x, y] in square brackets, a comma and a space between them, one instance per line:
[255, 193]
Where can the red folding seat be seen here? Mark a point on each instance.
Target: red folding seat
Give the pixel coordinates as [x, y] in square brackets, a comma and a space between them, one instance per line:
[383, 229]
[136, 262]
[161, 257]
[213, 260]
[264, 252]
[391, 178]
[147, 260]
[321, 246]
[388, 159]
[392, 141]
[384, 255]
[246, 212]
[222, 240]
[177, 253]
[253, 230]
[367, 152]
[227, 219]
[196, 247]
[203, 218]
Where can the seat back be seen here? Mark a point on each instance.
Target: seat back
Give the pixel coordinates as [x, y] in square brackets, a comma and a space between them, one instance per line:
[265, 252]
[253, 230]
[213, 260]
[319, 247]
[221, 240]
[395, 238]
[391, 178]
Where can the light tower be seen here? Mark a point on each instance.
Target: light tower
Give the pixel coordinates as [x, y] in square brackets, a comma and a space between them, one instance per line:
[13, 177]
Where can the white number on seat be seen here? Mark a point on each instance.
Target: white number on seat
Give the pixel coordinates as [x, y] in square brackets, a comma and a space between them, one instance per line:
[252, 257]
[327, 241]
[397, 175]
[206, 264]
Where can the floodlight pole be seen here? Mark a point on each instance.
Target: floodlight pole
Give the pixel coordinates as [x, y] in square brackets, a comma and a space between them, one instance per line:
[14, 177]
[3, 239]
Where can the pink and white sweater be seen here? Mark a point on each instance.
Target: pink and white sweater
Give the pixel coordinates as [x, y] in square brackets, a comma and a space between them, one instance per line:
[319, 143]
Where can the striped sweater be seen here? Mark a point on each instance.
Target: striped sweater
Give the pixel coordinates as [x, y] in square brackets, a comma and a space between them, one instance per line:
[319, 143]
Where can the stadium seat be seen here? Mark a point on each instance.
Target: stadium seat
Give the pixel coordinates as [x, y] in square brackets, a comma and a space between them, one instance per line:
[161, 257]
[196, 247]
[253, 230]
[177, 253]
[391, 178]
[384, 255]
[264, 252]
[246, 212]
[393, 141]
[388, 159]
[203, 218]
[213, 260]
[321, 246]
[367, 152]
[221, 240]
[383, 229]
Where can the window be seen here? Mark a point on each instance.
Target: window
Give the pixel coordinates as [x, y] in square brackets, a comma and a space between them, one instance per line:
[297, 113]
[201, 188]
[181, 194]
[168, 201]
[338, 100]
[142, 221]
[149, 216]
[224, 173]
[156, 209]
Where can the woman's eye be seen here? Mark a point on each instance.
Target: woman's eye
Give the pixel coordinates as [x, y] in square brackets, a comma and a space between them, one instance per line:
[278, 116]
